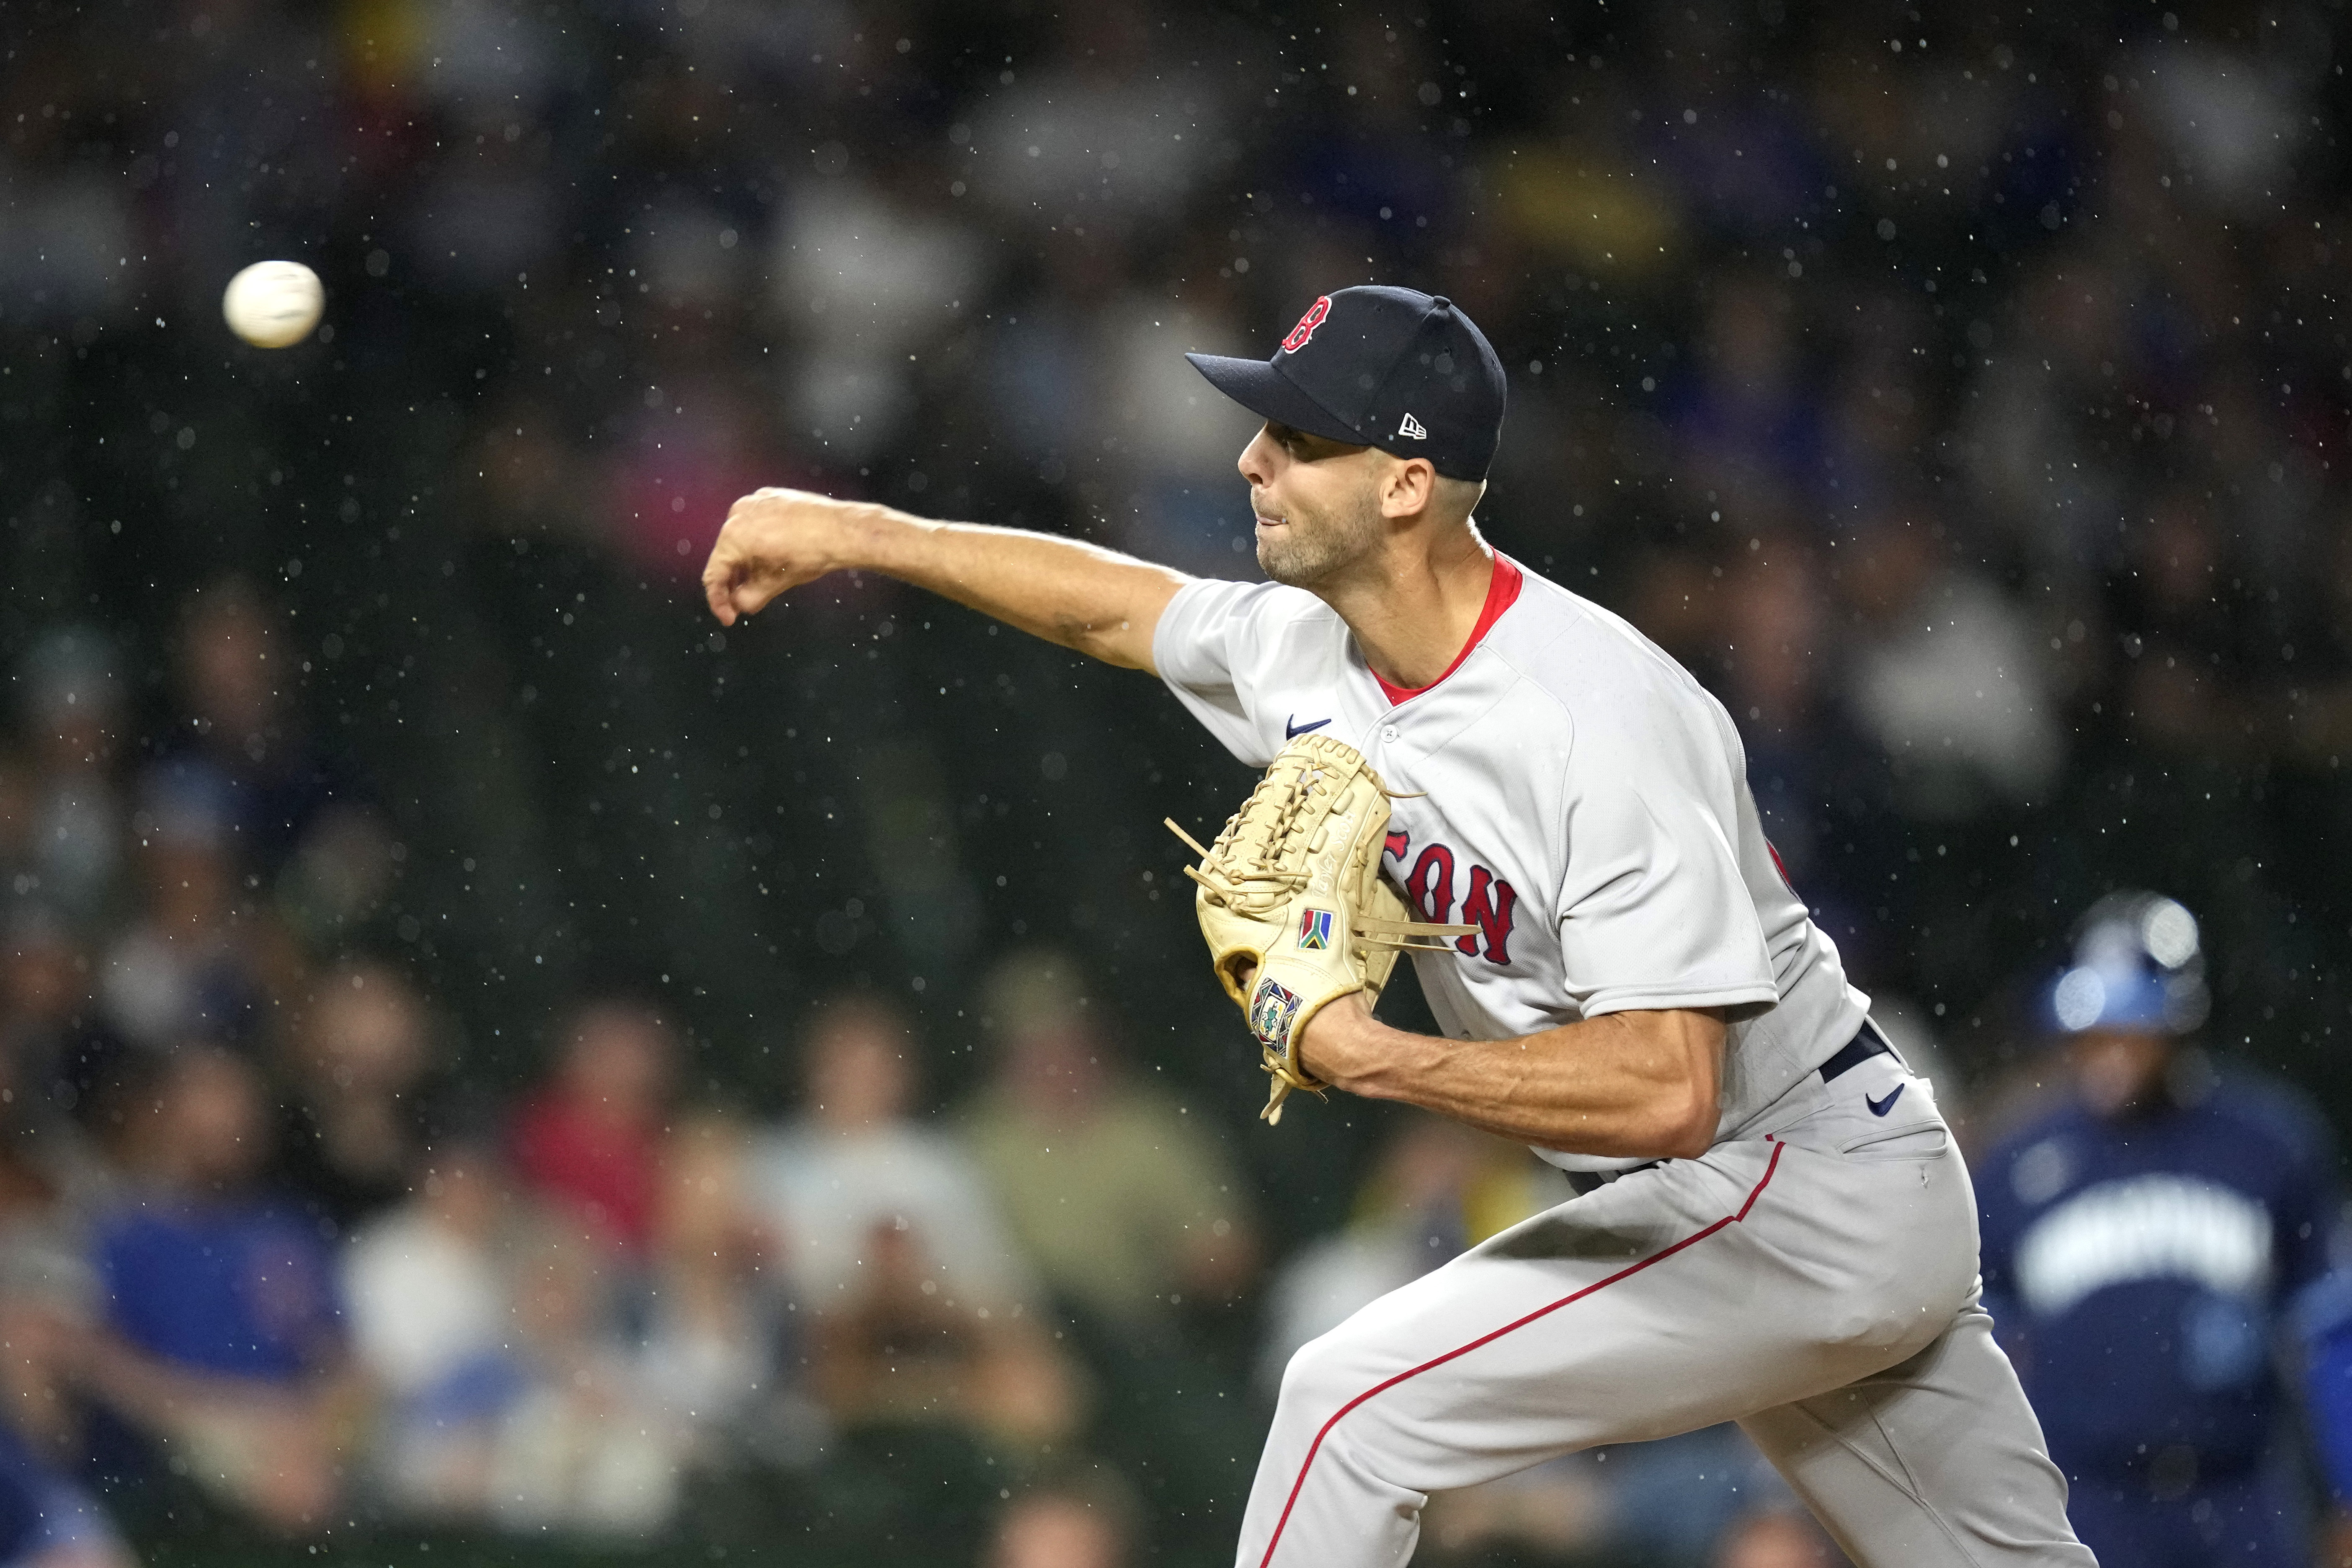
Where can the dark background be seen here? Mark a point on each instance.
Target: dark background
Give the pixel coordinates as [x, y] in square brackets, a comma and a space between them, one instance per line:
[1831, 330]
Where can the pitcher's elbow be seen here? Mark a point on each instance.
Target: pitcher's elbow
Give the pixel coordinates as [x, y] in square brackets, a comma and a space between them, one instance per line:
[1692, 1148]
[1109, 641]
[1689, 1132]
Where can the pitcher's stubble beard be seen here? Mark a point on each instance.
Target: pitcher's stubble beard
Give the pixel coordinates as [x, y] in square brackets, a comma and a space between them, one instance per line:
[1311, 553]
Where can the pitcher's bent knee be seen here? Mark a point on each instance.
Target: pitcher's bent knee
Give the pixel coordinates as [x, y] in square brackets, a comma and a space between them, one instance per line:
[1326, 1373]
[1331, 1414]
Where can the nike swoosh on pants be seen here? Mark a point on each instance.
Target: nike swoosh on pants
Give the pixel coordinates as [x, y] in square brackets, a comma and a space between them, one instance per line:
[1881, 1106]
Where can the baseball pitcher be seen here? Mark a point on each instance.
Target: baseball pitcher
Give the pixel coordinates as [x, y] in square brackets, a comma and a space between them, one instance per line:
[1768, 1221]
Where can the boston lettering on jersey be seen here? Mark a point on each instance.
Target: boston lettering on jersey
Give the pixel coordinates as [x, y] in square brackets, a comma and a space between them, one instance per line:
[1488, 905]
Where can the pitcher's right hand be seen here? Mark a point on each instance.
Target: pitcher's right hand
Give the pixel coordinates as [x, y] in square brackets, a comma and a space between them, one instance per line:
[776, 540]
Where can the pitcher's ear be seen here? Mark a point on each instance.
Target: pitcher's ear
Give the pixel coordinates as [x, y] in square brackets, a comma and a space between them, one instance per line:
[1408, 487]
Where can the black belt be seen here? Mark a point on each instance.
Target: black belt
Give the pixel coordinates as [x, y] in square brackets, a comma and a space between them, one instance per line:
[1867, 1042]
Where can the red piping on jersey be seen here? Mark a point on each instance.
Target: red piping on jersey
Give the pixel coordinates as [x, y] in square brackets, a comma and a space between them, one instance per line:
[1692, 1240]
[1502, 592]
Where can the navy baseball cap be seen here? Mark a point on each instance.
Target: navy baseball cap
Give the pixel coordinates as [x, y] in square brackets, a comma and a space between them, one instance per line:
[2138, 967]
[1376, 366]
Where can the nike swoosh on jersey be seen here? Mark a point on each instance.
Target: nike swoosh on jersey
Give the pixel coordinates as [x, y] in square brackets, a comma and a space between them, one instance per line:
[1881, 1106]
[1291, 731]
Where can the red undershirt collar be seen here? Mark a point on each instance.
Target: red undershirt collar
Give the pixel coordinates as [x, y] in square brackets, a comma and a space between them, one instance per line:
[1502, 593]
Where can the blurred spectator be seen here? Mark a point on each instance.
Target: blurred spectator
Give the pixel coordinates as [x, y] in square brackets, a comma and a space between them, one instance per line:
[867, 276]
[919, 1311]
[1107, 115]
[247, 763]
[898, 1352]
[509, 1396]
[2141, 1242]
[354, 1100]
[586, 1447]
[49, 1520]
[1742, 426]
[1778, 676]
[709, 1343]
[226, 1338]
[2191, 680]
[1172, 445]
[591, 1138]
[72, 709]
[49, 1184]
[58, 1052]
[430, 1299]
[1946, 679]
[198, 961]
[48, 1297]
[1120, 1196]
[1075, 1517]
[854, 1160]
[669, 487]
[338, 877]
[1552, 1512]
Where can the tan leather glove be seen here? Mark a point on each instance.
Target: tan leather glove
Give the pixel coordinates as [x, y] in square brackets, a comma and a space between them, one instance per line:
[1292, 889]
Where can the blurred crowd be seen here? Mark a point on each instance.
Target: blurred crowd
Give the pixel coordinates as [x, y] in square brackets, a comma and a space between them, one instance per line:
[272, 1259]
[480, 1043]
[269, 1252]
[1962, 400]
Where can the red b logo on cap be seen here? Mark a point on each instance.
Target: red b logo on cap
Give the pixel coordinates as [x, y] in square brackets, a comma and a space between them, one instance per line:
[1306, 324]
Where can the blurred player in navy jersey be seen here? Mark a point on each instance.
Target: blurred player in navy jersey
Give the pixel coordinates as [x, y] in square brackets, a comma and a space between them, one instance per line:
[2327, 1324]
[2142, 1243]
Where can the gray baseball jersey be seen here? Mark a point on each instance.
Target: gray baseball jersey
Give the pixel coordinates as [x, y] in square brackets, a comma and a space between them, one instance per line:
[1574, 795]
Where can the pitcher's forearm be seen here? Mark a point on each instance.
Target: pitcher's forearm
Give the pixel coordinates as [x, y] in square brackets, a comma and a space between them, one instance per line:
[1095, 601]
[1640, 1085]
[1080, 595]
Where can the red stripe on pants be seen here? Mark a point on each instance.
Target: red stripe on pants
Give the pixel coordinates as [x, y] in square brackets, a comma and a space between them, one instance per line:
[1626, 1273]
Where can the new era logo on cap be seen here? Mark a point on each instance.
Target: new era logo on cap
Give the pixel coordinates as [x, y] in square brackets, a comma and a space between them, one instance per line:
[1379, 366]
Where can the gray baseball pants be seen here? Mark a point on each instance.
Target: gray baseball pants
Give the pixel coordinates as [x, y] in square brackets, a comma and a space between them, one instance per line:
[1815, 1281]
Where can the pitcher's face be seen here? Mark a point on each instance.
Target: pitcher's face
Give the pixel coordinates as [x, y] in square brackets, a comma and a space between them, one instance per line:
[1317, 515]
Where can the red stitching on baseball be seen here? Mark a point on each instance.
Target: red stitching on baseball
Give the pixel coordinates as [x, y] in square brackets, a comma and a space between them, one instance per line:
[1315, 1447]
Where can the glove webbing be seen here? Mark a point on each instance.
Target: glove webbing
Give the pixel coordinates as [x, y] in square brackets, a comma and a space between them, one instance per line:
[1242, 874]
[1262, 889]
[1262, 884]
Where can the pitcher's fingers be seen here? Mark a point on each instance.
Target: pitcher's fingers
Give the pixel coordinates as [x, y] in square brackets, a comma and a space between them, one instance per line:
[718, 586]
[751, 595]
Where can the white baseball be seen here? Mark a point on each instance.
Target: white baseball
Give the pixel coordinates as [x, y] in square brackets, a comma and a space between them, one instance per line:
[273, 304]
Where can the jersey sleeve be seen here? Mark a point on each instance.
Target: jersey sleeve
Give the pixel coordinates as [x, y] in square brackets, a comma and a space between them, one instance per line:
[1212, 647]
[2305, 1212]
[2323, 1318]
[1654, 912]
